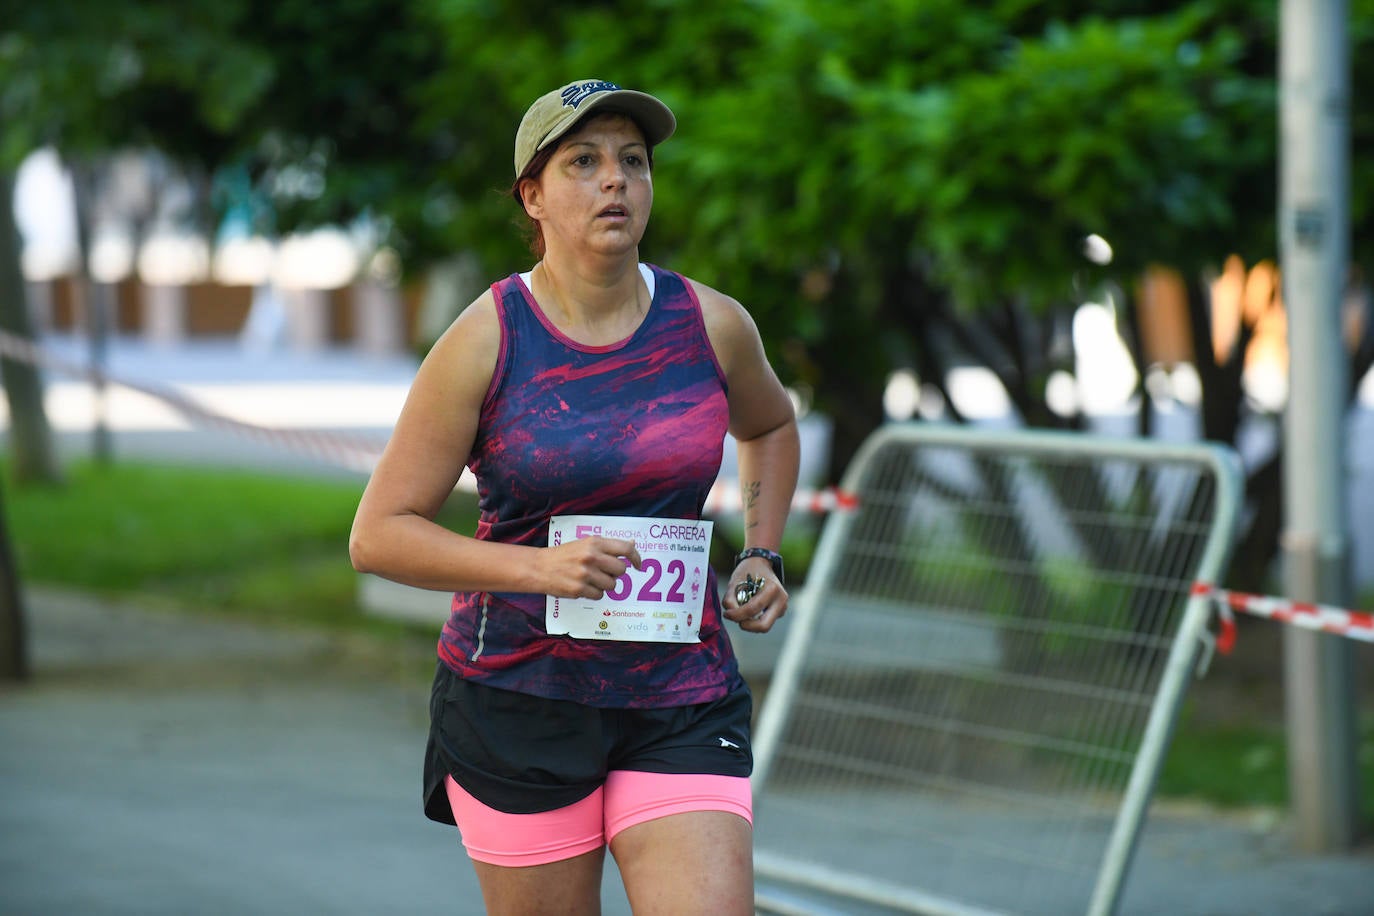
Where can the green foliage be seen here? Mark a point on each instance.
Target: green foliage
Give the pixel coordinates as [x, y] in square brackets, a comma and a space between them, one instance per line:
[90, 77]
[284, 90]
[866, 176]
[1361, 22]
[975, 144]
[347, 106]
[981, 142]
[886, 184]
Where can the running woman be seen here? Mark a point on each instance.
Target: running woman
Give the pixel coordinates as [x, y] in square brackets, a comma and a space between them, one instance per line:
[586, 695]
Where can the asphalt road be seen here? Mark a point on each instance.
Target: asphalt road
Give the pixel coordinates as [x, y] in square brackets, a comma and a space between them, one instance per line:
[158, 762]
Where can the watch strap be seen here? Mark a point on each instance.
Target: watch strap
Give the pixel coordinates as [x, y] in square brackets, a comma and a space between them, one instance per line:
[772, 556]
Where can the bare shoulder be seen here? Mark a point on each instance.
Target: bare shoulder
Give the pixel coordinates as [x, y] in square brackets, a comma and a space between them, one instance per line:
[464, 356]
[717, 307]
[731, 330]
[762, 403]
[476, 323]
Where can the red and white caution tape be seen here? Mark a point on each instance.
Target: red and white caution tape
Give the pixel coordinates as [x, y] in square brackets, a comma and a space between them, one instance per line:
[1323, 618]
[353, 452]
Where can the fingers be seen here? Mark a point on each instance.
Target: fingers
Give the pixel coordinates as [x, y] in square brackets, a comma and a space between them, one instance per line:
[589, 567]
[601, 574]
[627, 551]
[764, 605]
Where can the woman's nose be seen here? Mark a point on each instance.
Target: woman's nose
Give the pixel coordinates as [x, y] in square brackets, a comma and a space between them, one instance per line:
[614, 176]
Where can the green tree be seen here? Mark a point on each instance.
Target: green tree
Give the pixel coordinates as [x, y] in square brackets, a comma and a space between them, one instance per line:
[286, 90]
[910, 184]
[282, 88]
[888, 184]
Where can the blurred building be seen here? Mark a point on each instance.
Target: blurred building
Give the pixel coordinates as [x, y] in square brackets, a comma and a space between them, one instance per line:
[165, 282]
[1245, 299]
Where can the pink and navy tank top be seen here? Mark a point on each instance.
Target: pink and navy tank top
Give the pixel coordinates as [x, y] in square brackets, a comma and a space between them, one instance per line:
[635, 428]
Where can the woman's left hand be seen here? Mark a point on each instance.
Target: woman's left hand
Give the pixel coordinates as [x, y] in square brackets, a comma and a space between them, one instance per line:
[765, 598]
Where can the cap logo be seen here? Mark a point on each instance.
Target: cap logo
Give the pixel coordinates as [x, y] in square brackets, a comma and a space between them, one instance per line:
[574, 96]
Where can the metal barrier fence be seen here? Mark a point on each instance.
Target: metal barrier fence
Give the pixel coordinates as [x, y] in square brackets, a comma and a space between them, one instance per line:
[982, 673]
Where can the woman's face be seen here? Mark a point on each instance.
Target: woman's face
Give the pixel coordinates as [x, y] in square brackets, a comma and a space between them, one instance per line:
[596, 192]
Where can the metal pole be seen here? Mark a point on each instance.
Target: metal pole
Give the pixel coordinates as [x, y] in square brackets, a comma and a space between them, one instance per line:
[95, 306]
[98, 336]
[1314, 235]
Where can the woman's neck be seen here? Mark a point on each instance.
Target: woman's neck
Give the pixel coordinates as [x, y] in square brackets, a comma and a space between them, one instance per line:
[604, 303]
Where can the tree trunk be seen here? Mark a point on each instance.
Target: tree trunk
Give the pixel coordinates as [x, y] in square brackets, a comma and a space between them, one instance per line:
[851, 427]
[1223, 394]
[32, 457]
[14, 649]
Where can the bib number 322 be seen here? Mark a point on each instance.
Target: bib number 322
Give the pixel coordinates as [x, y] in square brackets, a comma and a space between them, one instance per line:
[660, 603]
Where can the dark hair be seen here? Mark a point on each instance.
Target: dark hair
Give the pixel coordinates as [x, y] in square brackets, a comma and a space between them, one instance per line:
[529, 226]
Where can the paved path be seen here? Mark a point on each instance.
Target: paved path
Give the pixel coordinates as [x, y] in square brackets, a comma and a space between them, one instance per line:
[159, 762]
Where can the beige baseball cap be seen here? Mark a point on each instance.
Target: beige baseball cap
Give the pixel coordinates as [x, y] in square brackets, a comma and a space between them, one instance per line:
[553, 114]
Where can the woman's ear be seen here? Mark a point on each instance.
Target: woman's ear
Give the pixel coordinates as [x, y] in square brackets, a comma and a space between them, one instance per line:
[532, 197]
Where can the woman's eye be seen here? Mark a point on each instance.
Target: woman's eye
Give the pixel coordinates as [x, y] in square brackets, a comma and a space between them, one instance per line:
[584, 159]
[634, 161]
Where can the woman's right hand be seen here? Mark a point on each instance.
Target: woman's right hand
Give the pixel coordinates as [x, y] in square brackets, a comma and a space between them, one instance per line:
[587, 567]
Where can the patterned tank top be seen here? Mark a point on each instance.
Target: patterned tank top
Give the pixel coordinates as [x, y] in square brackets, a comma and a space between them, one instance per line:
[635, 428]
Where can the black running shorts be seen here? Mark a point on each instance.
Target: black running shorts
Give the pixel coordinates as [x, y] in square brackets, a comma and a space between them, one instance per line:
[523, 754]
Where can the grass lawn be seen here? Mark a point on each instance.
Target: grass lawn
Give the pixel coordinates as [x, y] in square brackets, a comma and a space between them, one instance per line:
[275, 549]
[269, 548]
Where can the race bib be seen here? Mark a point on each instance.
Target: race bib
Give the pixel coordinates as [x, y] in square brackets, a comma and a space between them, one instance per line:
[660, 603]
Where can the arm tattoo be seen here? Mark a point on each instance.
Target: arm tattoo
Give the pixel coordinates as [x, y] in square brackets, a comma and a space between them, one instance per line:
[749, 489]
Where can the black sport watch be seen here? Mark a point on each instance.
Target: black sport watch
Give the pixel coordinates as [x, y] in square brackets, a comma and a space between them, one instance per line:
[773, 557]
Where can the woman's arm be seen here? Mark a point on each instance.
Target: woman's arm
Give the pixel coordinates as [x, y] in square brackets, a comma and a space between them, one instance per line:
[394, 533]
[764, 425]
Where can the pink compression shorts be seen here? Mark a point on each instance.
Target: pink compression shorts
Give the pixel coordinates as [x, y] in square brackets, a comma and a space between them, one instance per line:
[628, 797]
